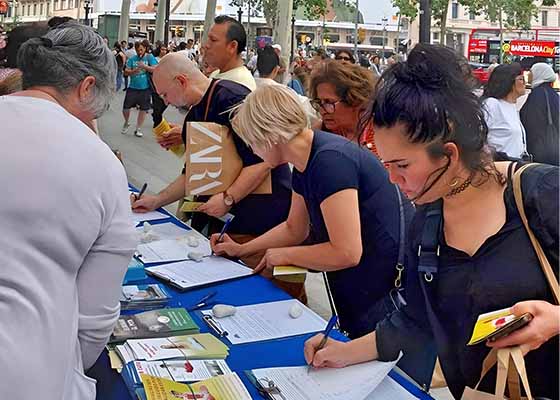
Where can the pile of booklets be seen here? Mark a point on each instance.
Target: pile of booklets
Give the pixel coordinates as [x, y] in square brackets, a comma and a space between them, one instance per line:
[143, 297]
[201, 346]
[154, 324]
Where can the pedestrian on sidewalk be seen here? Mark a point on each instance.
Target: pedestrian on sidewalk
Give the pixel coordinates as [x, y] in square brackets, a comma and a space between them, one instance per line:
[138, 93]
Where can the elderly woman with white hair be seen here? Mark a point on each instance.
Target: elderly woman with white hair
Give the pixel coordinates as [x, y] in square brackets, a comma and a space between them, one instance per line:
[66, 236]
[342, 202]
[539, 115]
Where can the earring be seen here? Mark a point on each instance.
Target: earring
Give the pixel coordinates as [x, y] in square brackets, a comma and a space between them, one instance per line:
[454, 183]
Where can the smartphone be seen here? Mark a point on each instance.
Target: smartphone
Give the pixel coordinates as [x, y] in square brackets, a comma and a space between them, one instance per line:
[507, 329]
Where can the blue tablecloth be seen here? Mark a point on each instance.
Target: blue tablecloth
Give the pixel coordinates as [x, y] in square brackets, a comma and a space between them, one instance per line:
[249, 290]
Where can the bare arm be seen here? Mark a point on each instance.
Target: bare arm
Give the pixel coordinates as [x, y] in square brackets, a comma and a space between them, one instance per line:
[173, 192]
[337, 354]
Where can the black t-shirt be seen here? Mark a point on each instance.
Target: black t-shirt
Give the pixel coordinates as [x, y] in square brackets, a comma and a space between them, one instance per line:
[336, 164]
[256, 213]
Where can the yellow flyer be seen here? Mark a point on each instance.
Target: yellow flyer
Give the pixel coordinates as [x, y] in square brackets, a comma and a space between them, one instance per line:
[223, 387]
[489, 323]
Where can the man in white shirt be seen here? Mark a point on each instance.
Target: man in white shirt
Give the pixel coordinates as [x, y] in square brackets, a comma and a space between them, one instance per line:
[226, 41]
[66, 236]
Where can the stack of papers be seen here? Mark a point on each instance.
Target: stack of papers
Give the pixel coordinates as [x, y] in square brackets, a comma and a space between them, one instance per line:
[143, 297]
[156, 323]
[178, 370]
[190, 274]
[356, 382]
[170, 250]
[201, 346]
[266, 321]
[167, 230]
[222, 387]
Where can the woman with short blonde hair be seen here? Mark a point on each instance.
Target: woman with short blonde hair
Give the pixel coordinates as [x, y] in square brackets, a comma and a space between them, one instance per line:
[341, 191]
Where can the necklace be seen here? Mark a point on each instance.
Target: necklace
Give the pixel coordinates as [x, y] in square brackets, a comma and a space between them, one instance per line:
[460, 188]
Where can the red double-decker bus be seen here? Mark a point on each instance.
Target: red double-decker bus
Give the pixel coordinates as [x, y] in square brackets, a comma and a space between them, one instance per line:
[525, 47]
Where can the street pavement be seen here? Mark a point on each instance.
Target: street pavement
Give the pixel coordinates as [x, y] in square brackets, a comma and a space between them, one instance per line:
[145, 161]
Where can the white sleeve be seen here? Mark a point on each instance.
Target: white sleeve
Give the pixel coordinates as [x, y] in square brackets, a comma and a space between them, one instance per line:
[499, 130]
[101, 274]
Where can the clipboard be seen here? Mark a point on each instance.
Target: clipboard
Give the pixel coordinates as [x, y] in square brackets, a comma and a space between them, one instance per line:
[267, 389]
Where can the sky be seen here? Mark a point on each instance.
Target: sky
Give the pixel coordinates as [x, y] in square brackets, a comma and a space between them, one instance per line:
[374, 10]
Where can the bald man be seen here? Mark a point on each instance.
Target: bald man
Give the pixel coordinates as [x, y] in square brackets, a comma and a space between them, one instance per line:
[179, 82]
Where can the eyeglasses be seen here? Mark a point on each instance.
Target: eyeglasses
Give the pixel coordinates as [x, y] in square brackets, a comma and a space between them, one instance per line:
[343, 59]
[327, 106]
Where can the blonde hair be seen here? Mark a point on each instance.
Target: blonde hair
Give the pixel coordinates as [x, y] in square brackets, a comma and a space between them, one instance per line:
[270, 115]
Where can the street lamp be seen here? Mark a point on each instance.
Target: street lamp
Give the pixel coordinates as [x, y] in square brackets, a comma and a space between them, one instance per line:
[87, 8]
[239, 4]
[384, 21]
[293, 36]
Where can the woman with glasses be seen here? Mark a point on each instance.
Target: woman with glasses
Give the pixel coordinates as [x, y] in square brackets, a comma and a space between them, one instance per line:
[506, 133]
[340, 93]
[342, 202]
[344, 56]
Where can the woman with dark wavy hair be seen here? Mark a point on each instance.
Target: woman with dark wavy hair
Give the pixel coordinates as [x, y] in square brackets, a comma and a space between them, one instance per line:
[468, 251]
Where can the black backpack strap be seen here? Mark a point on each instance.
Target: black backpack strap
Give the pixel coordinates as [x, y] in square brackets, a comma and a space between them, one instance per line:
[428, 249]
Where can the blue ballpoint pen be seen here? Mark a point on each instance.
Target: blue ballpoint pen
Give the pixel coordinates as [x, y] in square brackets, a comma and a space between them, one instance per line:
[326, 333]
[224, 230]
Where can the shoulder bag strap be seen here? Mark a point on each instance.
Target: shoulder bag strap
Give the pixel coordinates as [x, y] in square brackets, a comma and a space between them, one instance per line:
[545, 264]
[212, 87]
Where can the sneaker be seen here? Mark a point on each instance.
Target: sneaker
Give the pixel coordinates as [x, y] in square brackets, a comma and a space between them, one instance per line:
[125, 128]
[137, 133]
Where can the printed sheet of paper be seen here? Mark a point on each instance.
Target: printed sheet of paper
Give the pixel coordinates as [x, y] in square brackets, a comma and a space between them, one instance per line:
[173, 250]
[390, 389]
[265, 321]
[136, 218]
[190, 274]
[356, 382]
[166, 231]
[183, 370]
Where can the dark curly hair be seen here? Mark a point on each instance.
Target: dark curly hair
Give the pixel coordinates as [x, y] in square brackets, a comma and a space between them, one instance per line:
[502, 80]
[431, 94]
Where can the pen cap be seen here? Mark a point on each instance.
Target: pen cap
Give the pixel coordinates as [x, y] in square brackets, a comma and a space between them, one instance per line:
[163, 127]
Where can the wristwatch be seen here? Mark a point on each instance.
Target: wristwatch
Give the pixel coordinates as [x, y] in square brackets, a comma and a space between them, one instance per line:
[228, 199]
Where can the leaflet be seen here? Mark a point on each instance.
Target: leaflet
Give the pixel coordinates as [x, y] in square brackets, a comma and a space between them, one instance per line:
[182, 370]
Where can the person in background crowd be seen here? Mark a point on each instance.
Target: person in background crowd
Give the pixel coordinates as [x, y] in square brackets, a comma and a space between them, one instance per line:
[180, 82]
[340, 93]
[375, 67]
[301, 74]
[10, 76]
[121, 62]
[506, 133]
[431, 134]
[55, 21]
[341, 191]
[345, 56]
[363, 61]
[138, 92]
[543, 103]
[63, 269]
[318, 58]
[282, 76]
[226, 41]
[191, 50]
[129, 52]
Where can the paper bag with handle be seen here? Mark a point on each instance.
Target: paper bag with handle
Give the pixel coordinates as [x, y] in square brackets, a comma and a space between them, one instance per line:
[212, 162]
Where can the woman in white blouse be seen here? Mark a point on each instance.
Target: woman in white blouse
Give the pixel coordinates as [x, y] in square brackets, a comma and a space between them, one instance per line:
[506, 133]
[65, 233]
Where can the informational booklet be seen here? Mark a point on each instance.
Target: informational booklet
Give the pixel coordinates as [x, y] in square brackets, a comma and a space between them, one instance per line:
[266, 321]
[182, 370]
[355, 382]
[198, 346]
[190, 274]
[222, 387]
[143, 296]
[155, 323]
[490, 323]
[173, 250]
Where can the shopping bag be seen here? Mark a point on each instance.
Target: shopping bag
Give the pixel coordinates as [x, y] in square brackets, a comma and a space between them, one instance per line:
[212, 162]
[510, 367]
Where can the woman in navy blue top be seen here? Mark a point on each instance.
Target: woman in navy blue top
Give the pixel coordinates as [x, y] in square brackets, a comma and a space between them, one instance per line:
[342, 202]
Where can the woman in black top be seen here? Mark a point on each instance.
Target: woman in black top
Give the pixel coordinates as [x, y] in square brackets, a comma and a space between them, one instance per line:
[431, 134]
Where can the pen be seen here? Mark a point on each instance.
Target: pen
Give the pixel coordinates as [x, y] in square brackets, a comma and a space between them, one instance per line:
[203, 302]
[326, 333]
[144, 187]
[224, 230]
